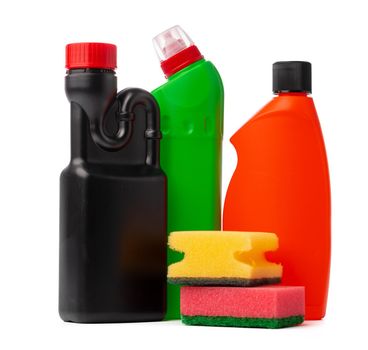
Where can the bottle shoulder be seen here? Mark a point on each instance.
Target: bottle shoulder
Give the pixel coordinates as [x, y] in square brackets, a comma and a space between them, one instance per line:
[302, 106]
[192, 103]
[79, 168]
[198, 78]
[282, 116]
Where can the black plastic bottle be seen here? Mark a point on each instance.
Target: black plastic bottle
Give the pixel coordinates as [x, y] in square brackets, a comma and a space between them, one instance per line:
[112, 197]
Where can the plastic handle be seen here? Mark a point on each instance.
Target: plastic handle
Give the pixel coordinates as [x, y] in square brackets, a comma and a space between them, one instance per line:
[129, 99]
[122, 136]
[96, 95]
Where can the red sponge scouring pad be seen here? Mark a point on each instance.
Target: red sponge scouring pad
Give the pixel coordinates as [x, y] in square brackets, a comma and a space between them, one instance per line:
[262, 307]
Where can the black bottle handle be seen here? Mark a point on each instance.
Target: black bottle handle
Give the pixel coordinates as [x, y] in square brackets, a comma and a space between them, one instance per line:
[128, 100]
[95, 93]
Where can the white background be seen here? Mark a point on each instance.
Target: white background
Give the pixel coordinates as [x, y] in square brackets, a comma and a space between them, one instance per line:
[242, 39]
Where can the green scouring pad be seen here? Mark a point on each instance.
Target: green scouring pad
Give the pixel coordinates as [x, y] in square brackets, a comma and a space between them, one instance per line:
[249, 322]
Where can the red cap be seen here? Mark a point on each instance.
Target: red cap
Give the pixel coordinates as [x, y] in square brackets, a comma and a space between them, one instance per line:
[90, 55]
[181, 60]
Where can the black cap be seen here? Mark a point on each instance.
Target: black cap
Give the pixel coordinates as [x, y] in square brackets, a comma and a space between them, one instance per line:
[292, 76]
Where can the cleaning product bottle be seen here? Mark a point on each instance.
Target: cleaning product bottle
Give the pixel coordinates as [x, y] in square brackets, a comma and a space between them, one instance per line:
[191, 104]
[112, 197]
[281, 183]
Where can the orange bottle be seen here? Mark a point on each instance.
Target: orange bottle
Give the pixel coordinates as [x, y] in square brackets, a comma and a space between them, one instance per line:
[281, 184]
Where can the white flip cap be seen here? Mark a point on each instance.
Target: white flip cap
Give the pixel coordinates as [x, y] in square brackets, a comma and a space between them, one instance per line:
[170, 42]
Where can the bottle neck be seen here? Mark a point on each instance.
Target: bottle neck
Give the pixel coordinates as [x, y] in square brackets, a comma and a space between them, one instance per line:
[181, 60]
[186, 69]
[300, 94]
[89, 70]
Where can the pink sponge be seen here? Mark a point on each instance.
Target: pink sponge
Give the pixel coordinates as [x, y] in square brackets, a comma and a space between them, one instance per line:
[266, 307]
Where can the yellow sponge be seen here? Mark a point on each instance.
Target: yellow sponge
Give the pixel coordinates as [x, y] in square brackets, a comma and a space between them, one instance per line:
[224, 258]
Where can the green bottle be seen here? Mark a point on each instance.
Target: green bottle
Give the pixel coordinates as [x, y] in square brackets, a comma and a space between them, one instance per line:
[191, 104]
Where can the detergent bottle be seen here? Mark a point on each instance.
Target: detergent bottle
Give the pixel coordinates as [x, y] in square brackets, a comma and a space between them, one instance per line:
[191, 104]
[112, 197]
[281, 183]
